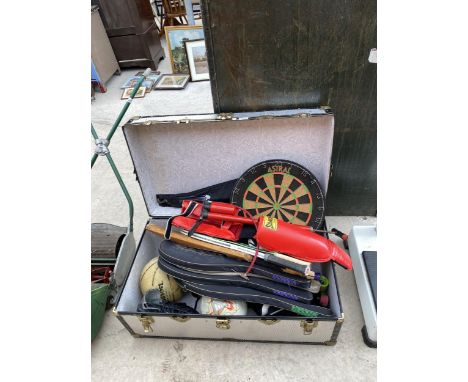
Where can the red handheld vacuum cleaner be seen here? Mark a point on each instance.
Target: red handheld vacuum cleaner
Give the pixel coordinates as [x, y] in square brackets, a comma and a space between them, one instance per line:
[225, 221]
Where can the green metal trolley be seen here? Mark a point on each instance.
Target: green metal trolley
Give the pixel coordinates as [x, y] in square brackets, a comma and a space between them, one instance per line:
[111, 246]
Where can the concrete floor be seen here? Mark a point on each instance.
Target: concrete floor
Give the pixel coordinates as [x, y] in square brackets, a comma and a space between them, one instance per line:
[117, 356]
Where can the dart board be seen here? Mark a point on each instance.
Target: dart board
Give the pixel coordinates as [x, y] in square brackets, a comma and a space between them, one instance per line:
[281, 189]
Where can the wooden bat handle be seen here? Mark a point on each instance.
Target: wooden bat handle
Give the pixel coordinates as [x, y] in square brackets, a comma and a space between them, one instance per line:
[179, 238]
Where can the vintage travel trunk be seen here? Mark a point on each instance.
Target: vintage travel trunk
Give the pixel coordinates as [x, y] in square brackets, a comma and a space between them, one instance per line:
[174, 154]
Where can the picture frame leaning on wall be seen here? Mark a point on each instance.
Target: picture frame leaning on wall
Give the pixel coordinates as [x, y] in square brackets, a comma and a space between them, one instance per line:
[197, 60]
[175, 38]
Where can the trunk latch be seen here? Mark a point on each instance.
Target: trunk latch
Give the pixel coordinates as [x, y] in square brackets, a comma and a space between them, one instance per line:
[223, 324]
[146, 323]
[308, 326]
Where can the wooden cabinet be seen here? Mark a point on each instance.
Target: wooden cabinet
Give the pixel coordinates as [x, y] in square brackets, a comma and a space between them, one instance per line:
[132, 32]
[267, 54]
[102, 55]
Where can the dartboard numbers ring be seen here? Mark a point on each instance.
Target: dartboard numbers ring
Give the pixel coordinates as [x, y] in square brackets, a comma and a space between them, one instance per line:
[281, 189]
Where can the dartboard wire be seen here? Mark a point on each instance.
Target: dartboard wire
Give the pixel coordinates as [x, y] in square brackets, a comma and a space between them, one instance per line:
[300, 191]
[293, 219]
[256, 190]
[289, 217]
[251, 204]
[285, 186]
[304, 207]
[289, 190]
[264, 205]
[278, 215]
[282, 216]
[256, 212]
[267, 212]
[270, 182]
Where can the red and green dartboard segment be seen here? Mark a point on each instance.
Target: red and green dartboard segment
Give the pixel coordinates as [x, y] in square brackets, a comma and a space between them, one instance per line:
[281, 189]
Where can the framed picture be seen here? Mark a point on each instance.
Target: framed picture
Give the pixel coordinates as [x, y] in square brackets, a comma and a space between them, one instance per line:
[128, 91]
[153, 76]
[197, 60]
[175, 38]
[172, 81]
[132, 81]
[152, 73]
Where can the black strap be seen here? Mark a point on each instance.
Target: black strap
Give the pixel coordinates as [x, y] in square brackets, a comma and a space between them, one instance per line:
[203, 215]
[187, 212]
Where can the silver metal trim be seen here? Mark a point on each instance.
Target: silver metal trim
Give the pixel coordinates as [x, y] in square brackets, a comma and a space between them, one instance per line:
[101, 146]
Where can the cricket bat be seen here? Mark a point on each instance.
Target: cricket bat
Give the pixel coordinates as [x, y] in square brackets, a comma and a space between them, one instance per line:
[236, 250]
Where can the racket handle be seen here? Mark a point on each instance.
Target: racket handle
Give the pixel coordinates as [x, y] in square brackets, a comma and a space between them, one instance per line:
[302, 269]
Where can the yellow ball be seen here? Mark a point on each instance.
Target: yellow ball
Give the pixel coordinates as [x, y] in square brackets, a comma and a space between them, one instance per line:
[154, 278]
